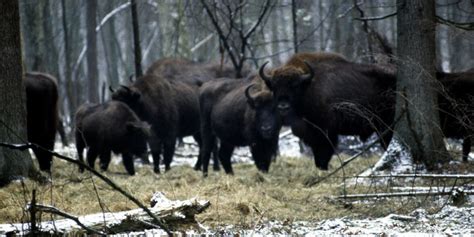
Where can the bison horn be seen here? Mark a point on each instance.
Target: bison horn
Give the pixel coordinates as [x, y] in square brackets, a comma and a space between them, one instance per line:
[249, 97]
[111, 89]
[131, 77]
[261, 72]
[308, 76]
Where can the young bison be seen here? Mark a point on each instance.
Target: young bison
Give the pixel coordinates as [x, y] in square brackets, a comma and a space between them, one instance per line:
[42, 114]
[323, 95]
[170, 107]
[107, 127]
[230, 113]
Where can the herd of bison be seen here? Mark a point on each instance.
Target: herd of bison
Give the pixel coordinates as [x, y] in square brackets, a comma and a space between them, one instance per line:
[318, 95]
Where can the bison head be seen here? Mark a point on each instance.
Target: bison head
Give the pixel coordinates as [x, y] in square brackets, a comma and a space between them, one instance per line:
[138, 133]
[266, 117]
[128, 95]
[287, 84]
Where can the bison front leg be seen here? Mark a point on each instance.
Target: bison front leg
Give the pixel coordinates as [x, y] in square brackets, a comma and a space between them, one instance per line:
[80, 145]
[155, 147]
[225, 155]
[322, 144]
[105, 157]
[168, 152]
[127, 160]
[91, 156]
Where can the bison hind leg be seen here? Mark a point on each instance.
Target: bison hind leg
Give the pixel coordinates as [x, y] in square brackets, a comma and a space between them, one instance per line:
[127, 160]
[105, 157]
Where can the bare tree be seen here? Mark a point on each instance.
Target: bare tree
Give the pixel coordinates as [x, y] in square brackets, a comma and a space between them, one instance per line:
[136, 39]
[92, 72]
[232, 27]
[13, 163]
[419, 127]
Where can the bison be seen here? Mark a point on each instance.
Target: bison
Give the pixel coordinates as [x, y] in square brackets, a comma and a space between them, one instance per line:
[170, 107]
[42, 114]
[111, 126]
[231, 113]
[190, 72]
[456, 106]
[323, 95]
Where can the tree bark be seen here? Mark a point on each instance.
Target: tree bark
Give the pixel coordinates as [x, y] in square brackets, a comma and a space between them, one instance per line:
[92, 72]
[13, 163]
[136, 40]
[419, 127]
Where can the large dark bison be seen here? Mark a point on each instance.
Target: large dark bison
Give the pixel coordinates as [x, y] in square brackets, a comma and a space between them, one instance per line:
[190, 72]
[42, 114]
[107, 127]
[238, 117]
[170, 107]
[456, 106]
[322, 95]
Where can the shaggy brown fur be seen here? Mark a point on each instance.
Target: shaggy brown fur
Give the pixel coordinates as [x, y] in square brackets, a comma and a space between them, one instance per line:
[323, 95]
[170, 107]
[238, 117]
[107, 127]
[42, 114]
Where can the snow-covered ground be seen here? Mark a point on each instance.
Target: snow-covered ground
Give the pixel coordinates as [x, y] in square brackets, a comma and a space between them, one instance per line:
[449, 221]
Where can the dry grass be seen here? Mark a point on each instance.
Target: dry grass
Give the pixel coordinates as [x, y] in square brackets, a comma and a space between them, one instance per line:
[241, 200]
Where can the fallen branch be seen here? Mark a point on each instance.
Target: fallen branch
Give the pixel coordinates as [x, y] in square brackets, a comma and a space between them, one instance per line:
[93, 171]
[56, 211]
[400, 194]
[435, 176]
[172, 211]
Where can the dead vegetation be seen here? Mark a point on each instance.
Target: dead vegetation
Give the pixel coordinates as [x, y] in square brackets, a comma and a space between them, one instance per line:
[242, 200]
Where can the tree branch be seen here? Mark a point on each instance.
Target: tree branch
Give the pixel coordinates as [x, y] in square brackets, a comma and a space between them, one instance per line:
[101, 176]
[461, 25]
[56, 211]
[375, 18]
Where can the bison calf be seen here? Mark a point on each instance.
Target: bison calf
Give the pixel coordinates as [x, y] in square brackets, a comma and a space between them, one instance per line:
[42, 114]
[107, 127]
[237, 118]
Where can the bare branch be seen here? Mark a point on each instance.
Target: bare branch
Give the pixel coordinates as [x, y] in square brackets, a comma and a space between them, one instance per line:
[93, 171]
[56, 211]
[375, 18]
[400, 194]
[461, 25]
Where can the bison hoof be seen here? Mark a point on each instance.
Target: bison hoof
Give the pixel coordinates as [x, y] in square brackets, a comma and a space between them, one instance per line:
[156, 170]
[197, 167]
[216, 168]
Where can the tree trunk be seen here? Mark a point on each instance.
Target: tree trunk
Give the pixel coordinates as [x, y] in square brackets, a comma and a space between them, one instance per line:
[136, 40]
[419, 127]
[13, 163]
[92, 73]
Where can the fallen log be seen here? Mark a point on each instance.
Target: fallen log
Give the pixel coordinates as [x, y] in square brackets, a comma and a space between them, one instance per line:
[175, 213]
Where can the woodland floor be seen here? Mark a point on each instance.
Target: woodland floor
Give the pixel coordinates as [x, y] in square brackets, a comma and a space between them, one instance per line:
[242, 201]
